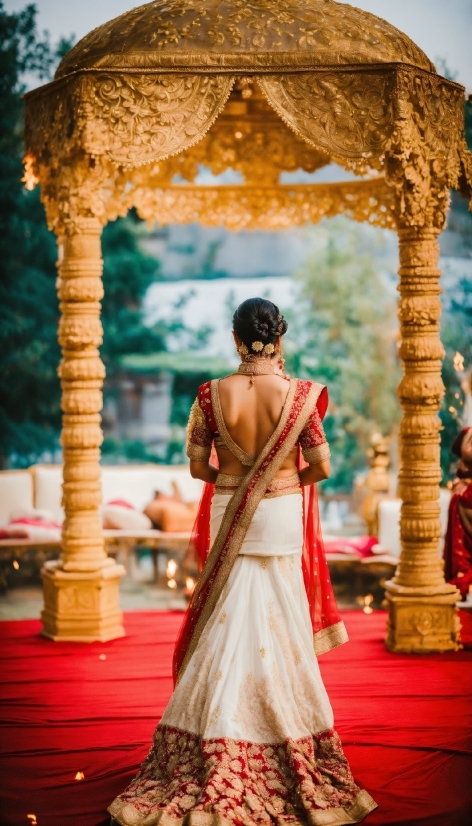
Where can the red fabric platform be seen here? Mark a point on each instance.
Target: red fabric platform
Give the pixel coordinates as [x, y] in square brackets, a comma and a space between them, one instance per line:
[404, 721]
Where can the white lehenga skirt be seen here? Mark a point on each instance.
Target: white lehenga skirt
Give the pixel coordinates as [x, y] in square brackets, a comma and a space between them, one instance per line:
[247, 737]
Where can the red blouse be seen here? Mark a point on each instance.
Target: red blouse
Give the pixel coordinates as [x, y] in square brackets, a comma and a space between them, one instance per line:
[203, 429]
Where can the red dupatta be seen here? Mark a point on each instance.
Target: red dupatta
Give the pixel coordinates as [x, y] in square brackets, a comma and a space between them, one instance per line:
[328, 629]
[215, 566]
[458, 543]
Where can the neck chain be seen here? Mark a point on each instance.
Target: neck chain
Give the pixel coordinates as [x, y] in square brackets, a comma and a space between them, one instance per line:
[261, 367]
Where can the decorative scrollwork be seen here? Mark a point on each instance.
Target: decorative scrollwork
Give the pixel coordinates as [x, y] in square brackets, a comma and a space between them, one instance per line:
[350, 115]
[265, 207]
[249, 138]
[237, 34]
[425, 157]
[140, 118]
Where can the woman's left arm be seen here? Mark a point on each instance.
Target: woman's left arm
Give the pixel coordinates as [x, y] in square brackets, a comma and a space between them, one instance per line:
[315, 448]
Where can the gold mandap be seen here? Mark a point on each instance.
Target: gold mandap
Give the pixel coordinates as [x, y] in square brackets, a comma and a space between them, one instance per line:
[261, 87]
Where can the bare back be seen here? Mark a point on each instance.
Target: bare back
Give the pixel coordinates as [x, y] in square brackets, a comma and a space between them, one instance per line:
[251, 414]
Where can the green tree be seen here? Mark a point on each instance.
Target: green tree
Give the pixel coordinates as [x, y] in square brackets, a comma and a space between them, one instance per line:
[456, 334]
[127, 274]
[29, 406]
[344, 336]
[29, 353]
[456, 325]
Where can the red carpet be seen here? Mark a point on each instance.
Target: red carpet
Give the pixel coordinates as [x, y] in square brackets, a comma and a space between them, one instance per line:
[404, 721]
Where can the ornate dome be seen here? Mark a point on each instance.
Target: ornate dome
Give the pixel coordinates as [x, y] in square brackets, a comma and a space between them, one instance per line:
[241, 35]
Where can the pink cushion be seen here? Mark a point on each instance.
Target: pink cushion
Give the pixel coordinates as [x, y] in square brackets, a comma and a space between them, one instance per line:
[37, 530]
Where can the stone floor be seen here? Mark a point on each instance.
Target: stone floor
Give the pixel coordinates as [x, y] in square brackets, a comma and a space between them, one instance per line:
[22, 597]
[26, 602]
[138, 592]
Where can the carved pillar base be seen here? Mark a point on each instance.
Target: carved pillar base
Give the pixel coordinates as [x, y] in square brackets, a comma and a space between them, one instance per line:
[422, 624]
[82, 607]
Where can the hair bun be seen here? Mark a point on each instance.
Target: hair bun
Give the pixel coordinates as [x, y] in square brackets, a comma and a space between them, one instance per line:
[263, 330]
[258, 319]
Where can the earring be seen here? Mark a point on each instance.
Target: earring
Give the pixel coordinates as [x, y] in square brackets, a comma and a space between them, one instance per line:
[281, 361]
[242, 350]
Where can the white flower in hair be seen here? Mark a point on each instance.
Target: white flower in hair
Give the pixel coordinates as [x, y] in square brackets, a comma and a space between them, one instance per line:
[257, 346]
[269, 349]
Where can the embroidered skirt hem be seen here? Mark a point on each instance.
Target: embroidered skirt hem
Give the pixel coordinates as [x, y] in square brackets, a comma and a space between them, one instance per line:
[186, 781]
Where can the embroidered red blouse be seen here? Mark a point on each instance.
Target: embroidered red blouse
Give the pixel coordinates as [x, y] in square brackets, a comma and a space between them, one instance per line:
[203, 429]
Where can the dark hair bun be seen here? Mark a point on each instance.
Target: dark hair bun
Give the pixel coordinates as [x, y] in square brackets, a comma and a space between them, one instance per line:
[257, 319]
[457, 443]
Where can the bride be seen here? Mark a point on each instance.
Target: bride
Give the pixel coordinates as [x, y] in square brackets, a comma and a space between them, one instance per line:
[247, 738]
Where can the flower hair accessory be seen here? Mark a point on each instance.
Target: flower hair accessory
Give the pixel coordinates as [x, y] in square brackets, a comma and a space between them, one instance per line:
[269, 349]
[257, 346]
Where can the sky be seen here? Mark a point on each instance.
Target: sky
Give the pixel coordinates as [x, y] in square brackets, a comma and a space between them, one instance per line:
[442, 28]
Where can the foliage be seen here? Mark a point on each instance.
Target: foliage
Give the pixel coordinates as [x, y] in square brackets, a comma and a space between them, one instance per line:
[181, 363]
[189, 369]
[456, 337]
[344, 336]
[456, 325]
[29, 354]
[468, 123]
[127, 274]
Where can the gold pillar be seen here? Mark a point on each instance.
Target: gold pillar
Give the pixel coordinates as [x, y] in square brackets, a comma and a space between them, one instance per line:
[422, 613]
[81, 591]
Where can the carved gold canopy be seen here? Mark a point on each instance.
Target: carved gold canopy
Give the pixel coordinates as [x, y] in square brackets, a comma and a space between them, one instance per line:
[142, 103]
[139, 112]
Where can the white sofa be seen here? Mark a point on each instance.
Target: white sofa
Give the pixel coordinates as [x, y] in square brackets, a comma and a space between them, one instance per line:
[389, 522]
[16, 491]
[39, 489]
[136, 484]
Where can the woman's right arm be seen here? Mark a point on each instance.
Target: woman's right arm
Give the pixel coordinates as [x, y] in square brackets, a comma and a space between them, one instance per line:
[315, 473]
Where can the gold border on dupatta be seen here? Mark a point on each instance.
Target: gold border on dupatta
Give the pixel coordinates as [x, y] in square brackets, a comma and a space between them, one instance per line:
[243, 523]
[330, 638]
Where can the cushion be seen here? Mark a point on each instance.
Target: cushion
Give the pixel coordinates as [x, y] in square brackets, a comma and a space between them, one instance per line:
[359, 545]
[169, 515]
[36, 530]
[16, 491]
[31, 513]
[122, 517]
[389, 522]
[48, 489]
[190, 490]
[389, 525]
[137, 485]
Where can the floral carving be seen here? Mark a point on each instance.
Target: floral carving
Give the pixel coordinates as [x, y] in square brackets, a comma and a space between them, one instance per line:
[250, 138]
[348, 114]
[140, 118]
[266, 207]
[420, 310]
